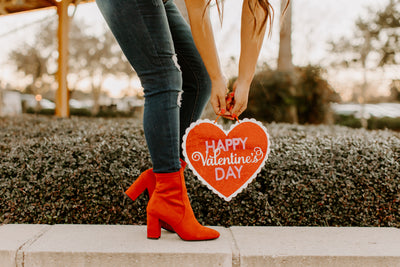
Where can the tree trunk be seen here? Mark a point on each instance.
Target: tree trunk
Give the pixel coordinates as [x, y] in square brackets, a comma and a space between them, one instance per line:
[361, 99]
[96, 91]
[365, 51]
[285, 40]
[285, 63]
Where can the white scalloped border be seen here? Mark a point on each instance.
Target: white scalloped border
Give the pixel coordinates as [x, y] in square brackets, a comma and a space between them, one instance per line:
[194, 124]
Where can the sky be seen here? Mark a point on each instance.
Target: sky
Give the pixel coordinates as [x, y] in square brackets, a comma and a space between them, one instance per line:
[315, 22]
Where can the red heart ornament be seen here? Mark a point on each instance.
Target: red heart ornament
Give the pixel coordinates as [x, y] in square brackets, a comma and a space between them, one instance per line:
[226, 161]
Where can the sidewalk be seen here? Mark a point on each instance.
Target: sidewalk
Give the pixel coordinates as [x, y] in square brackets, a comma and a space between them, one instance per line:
[127, 245]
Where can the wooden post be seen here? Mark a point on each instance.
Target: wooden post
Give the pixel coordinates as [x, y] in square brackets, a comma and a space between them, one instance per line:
[62, 95]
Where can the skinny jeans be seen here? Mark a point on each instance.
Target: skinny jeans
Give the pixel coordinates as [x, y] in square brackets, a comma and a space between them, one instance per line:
[159, 45]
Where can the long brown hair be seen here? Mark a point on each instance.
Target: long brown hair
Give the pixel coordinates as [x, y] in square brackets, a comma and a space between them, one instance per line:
[264, 4]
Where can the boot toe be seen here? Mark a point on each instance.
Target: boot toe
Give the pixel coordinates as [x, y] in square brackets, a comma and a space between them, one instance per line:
[213, 233]
[208, 234]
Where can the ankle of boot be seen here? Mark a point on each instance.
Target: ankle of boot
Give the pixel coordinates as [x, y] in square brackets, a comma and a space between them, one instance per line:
[167, 200]
[183, 164]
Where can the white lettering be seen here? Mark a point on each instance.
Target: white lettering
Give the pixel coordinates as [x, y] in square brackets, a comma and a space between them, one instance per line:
[230, 173]
[221, 145]
[228, 143]
[239, 170]
[210, 146]
[236, 142]
[218, 171]
[243, 142]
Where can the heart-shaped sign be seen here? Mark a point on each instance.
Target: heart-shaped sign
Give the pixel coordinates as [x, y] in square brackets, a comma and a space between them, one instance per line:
[226, 161]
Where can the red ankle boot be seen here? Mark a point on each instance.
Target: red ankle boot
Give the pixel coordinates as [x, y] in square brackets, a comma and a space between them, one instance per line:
[170, 203]
[147, 180]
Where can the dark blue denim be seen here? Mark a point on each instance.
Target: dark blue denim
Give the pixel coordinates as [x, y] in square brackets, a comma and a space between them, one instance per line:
[159, 45]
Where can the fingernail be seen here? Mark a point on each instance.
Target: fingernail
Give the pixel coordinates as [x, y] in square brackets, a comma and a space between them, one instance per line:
[222, 110]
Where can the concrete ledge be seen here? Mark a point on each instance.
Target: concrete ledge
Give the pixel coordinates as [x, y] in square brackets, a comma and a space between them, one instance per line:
[98, 245]
[317, 246]
[127, 245]
[13, 239]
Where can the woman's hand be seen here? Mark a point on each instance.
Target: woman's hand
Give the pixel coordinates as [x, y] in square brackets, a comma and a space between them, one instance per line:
[241, 91]
[219, 90]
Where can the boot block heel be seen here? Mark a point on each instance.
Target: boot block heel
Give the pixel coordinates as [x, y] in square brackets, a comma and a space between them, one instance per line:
[153, 227]
[141, 183]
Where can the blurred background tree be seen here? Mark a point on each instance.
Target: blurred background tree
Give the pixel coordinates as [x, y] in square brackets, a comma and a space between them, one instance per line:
[374, 44]
[287, 93]
[92, 59]
[271, 96]
[387, 23]
[285, 60]
[395, 90]
[290, 94]
[37, 62]
[95, 58]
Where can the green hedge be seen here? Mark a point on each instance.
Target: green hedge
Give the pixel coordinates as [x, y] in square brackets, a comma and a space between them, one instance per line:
[374, 123]
[384, 123]
[76, 170]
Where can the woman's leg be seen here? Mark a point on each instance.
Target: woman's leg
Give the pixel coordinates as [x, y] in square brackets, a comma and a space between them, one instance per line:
[141, 29]
[196, 82]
